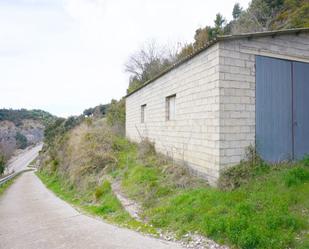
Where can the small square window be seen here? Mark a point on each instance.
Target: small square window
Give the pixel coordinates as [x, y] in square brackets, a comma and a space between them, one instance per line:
[143, 109]
[170, 107]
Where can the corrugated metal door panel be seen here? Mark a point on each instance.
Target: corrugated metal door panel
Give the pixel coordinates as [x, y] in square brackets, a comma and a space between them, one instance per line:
[301, 108]
[273, 109]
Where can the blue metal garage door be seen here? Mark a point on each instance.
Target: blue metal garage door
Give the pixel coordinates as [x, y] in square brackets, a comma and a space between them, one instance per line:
[301, 109]
[273, 109]
[282, 109]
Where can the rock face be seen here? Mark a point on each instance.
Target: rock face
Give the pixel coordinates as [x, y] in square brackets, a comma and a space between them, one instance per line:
[32, 130]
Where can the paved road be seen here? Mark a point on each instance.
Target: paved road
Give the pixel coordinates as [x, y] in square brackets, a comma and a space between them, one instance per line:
[32, 217]
[22, 160]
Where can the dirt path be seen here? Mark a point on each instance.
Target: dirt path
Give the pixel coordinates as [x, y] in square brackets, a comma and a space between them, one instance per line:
[33, 218]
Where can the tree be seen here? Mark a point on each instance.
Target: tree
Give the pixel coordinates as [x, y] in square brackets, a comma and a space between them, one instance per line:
[219, 21]
[237, 10]
[187, 50]
[201, 37]
[116, 115]
[219, 27]
[147, 63]
[263, 15]
[21, 141]
[2, 164]
[97, 111]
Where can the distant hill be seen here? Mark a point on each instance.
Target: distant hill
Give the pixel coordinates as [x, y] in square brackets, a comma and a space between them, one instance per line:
[17, 116]
[21, 128]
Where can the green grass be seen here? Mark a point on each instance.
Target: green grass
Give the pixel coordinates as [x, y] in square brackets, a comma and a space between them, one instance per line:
[106, 205]
[266, 213]
[259, 206]
[6, 185]
[269, 210]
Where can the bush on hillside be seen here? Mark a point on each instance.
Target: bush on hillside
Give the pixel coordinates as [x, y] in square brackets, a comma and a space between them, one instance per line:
[98, 111]
[59, 127]
[2, 164]
[116, 116]
[103, 189]
[296, 176]
[242, 173]
[82, 154]
[17, 116]
[146, 150]
[21, 141]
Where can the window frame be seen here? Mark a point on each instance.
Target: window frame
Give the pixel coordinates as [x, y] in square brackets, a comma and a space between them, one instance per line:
[168, 107]
[143, 113]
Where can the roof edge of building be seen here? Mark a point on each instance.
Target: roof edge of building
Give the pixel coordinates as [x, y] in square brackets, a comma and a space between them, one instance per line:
[219, 39]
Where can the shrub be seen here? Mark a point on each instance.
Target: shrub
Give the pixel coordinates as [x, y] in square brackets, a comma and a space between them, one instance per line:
[240, 174]
[116, 116]
[2, 164]
[21, 141]
[53, 130]
[305, 161]
[146, 149]
[54, 165]
[296, 176]
[103, 189]
[72, 122]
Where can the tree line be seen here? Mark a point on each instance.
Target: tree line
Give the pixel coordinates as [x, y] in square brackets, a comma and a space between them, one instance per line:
[17, 116]
[151, 59]
[261, 15]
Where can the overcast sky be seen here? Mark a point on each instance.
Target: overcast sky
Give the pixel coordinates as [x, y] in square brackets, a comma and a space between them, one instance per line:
[64, 56]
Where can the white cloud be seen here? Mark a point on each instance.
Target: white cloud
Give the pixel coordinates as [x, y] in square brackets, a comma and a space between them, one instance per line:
[67, 55]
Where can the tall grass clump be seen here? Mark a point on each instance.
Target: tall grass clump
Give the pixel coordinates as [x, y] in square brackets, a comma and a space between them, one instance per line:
[257, 205]
[247, 169]
[260, 206]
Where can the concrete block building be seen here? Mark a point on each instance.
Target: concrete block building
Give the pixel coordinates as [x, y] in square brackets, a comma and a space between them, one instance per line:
[239, 90]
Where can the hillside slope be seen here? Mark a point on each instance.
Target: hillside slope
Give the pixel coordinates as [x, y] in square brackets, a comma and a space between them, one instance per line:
[21, 128]
[293, 14]
[264, 15]
[259, 205]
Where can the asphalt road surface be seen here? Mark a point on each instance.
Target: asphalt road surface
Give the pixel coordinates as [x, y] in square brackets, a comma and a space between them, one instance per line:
[32, 217]
[21, 161]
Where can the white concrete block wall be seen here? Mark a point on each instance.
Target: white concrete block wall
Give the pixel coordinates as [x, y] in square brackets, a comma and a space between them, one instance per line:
[215, 103]
[193, 137]
[237, 87]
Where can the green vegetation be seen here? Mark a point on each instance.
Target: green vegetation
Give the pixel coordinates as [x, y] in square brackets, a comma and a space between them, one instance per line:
[267, 212]
[100, 110]
[261, 15]
[101, 202]
[258, 205]
[270, 209]
[17, 116]
[21, 128]
[5, 186]
[2, 163]
[116, 115]
[21, 141]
